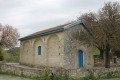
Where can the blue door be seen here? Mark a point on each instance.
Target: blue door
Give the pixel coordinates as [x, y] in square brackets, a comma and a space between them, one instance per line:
[80, 58]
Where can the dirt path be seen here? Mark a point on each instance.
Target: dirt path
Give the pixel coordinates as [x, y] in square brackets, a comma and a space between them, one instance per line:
[10, 77]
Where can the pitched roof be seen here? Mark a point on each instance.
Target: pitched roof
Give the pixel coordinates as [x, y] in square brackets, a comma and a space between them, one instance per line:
[49, 31]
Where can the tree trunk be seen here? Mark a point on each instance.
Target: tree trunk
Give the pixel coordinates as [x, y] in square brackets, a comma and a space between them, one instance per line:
[115, 59]
[107, 59]
[101, 54]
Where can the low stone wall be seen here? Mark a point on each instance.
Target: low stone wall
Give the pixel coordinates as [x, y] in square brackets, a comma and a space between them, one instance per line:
[16, 69]
[21, 70]
[101, 62]
[104, 72]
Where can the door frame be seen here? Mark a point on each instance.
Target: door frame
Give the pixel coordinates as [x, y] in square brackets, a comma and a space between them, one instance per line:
[79, 59]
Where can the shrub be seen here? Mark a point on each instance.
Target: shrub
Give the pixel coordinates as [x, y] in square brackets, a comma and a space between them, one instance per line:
[4, 56]
[1, 56]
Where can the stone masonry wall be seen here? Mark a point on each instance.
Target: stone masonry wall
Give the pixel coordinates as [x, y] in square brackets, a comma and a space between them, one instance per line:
[16, 69]
[52, 51]
[71, 48]
[20, 70]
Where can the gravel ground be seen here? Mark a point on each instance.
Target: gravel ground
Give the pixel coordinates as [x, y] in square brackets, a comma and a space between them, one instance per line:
[10, 77]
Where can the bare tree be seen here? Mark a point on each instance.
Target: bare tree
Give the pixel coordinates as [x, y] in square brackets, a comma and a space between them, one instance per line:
[91, 21]
[8, 36]
[110, 21]
[102, 29]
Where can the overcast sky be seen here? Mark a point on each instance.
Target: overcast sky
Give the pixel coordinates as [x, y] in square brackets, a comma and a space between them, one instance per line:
[29, 16]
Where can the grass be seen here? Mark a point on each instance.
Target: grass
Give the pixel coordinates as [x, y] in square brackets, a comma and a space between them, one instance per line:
[46, 76]
[52, 78]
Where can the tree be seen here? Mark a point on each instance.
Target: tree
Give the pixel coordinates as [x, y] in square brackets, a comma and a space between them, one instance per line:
[91, 21]
[102, 29]
[14, 51]
[109, 22]
[8, 36]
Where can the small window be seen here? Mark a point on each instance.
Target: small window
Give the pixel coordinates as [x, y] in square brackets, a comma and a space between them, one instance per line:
[39, 50]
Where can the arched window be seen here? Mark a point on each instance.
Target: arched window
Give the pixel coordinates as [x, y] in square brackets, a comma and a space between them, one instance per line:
[80, 58]
[39, 50]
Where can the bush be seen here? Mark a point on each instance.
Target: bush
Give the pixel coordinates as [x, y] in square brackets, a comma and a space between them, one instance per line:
[14, 58]
[11, 55]
[14, 54]
[1, 56]
[4, 56]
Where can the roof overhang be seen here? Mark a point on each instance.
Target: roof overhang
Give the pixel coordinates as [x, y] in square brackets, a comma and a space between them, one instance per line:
[42, 34]
[53, 31]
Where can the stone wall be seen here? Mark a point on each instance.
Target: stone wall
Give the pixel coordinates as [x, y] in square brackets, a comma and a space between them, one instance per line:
[72, 46]
[26, 55]
[20, 70]
[16, 69]
[104, 72]
[98, 62]
[52, 51]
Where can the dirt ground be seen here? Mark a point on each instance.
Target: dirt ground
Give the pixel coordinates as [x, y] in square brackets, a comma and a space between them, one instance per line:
[11, 77]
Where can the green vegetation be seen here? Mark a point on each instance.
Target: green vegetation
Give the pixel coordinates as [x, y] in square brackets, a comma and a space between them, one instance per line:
[14, 54]
[14, 58]
[11, 55]
[52, 78]
[115, 74]
[4, 56]
[96, 51]
[1, 54]
[107, 75]
[47, 76]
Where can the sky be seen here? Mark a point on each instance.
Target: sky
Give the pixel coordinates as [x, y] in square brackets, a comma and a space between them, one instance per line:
[30, 16]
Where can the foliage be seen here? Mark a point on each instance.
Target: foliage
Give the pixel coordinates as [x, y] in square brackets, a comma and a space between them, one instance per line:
[4, 56]
[14, 54]
[1, 54]
[108, 75]
[14, 58]
[11, 55]
[8, 39]
[96, 51]
[49, 78]
[14, 51]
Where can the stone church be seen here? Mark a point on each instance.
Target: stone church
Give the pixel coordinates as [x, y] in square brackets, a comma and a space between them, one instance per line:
[56, 47]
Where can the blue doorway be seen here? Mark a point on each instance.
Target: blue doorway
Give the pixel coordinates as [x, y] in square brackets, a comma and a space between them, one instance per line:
[80, 58]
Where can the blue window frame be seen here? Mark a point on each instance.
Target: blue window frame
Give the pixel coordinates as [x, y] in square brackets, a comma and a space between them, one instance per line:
[81, 58]
[39, 50]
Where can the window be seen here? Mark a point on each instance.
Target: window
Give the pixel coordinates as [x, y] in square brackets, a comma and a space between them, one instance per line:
[39, 50]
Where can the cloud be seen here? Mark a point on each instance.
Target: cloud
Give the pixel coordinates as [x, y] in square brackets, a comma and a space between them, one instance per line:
[29, 16]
